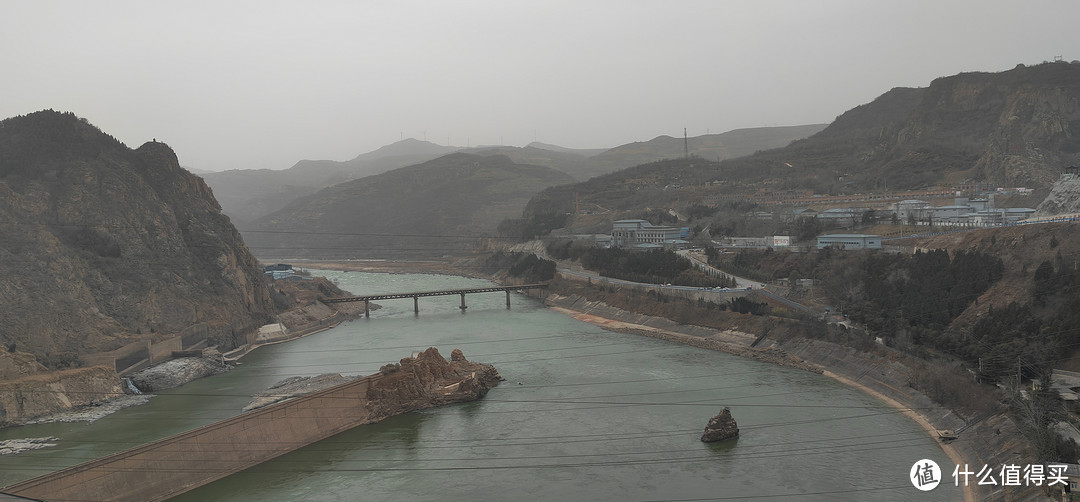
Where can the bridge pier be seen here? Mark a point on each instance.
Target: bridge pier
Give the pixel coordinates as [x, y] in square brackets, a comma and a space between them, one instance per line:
[416, 296]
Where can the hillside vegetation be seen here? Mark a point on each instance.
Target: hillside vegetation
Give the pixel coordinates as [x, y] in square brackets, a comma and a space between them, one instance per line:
[102, 245]
[1013, 128]
[247, 194]
[444, 206]
[997, 299]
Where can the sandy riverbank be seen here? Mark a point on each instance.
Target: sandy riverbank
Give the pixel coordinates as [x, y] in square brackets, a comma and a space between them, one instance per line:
[736, 344]
[953, 453]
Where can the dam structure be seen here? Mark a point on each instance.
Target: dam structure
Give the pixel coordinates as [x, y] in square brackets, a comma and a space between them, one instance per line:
[174, 465]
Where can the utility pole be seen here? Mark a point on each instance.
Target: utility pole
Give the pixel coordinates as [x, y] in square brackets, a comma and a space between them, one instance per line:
[686, 143]
[1018, 374]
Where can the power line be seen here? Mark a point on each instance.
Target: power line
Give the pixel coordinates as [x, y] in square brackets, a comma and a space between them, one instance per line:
[782, 450]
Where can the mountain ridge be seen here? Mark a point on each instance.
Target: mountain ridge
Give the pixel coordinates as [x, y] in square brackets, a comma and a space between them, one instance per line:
[247, 194]
[1016, 128]
[103, 245]
[445, 205]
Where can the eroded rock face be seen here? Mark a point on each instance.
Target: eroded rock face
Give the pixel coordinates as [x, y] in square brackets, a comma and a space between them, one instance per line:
[42, 394]
[115, 245]
[415, 383]
[430, 380]
[1064, 198]
[176, 372]
[721, 427]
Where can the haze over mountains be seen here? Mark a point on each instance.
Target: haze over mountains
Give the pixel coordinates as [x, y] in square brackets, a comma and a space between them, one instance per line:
[1013, 128]
[246, 195]
[104, 244]
[1016, 128]
[441, 206]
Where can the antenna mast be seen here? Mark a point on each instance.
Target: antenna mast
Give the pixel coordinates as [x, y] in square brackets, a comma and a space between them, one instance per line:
[686, 143]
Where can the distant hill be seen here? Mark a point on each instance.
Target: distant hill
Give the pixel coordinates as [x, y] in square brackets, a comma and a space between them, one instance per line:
[246, 194]
[574, 164]
[715, 147]
[585, 152]
[1013, 128]
[102, 245]
[586, 164]
[199, 172]
[443, 206]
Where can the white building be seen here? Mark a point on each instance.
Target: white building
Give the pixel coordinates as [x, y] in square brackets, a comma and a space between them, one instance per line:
[631, 233]
[963, 212]
[908, 207]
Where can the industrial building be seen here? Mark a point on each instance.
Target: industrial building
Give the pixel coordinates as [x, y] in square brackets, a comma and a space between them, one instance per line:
[849, 241]
[641, 233]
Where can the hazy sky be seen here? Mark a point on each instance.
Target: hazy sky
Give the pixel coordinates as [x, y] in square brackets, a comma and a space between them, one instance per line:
[263, 84]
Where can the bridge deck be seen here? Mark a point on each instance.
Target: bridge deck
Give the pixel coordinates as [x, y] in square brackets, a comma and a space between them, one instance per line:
[446, 292]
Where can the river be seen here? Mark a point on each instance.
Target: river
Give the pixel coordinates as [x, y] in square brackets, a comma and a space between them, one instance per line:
[585, 414]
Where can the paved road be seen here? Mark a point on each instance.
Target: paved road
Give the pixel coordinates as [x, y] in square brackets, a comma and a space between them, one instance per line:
[742, 283]
[699, 261]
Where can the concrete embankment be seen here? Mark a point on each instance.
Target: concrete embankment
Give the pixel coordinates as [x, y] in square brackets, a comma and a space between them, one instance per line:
[34, 396]
[992, 440]
[168, 467]
[86, 394]
[297, 323]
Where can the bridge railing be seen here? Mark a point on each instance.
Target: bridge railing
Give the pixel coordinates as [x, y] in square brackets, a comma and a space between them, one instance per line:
[367, 299]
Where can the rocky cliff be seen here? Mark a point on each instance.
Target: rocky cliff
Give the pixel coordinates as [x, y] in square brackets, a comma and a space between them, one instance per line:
[1016, 128]
[1024, 124]
[102, 245]
[45, 393]
[417, 382]
[1013, 128]
[1064, 198]
[427, 380]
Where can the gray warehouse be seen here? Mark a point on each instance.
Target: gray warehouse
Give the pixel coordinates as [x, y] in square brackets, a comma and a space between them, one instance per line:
[849, 241]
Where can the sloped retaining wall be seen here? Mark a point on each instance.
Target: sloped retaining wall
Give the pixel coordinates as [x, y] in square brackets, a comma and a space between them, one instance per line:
[174, 465]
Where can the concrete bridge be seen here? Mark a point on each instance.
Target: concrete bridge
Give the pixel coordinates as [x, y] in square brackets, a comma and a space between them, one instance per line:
[447, 292]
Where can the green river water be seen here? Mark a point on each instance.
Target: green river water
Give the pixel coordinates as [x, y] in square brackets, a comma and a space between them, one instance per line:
[585, 414]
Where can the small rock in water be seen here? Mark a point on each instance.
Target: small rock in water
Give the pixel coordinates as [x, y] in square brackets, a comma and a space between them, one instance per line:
[721, 427]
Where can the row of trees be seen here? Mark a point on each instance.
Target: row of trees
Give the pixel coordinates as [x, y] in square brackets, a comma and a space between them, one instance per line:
[659, 266]
[1032, 336]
